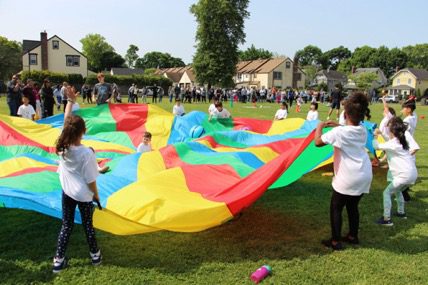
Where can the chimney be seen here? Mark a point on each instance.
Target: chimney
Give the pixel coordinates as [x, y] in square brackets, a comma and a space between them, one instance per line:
[44, 46]
[353, 69]
[397, 68]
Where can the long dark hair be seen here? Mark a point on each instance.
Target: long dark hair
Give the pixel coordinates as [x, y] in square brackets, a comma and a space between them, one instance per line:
[398, 128]
[356, 108]
[74, 128]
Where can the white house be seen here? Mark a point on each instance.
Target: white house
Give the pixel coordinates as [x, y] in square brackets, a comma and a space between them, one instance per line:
[53, 54]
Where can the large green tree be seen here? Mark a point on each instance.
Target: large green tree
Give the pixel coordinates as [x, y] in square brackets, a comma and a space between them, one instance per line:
[94, 46]
[336, 55]
[111, 59]
[397, 59]
[362, 56]
[131, 55]
[10, 58]
[220, 31]
[253, 53]
[156, 59]
[309, 55]
[417, 56]
[364, 80]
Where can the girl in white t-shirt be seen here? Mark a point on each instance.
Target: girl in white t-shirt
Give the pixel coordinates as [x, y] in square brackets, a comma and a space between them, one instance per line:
[220, 112]
[77, 174]
[402, 173]
[352, 168]
[282, 113]
[313, 112]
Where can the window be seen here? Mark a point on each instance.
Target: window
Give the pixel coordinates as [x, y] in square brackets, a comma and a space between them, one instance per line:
[55, 44]
[287, 64]
[277, 75]
[398, 80]
[409, 81]
[72, 60]
[239, 76]
[33, 58]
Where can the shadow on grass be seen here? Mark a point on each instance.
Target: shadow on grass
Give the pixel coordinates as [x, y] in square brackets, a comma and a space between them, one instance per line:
[285, 224]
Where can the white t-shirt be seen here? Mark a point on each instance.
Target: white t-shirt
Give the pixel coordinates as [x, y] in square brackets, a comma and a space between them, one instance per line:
[75, 107]
[26, 111]
[342, 120]
[76, 169]
[411, 120]
[211, 109]
[401, 164]
[221, 115]
[352, 167]
[144, 147]
[312, 115]
[281, 114]
[178, 110]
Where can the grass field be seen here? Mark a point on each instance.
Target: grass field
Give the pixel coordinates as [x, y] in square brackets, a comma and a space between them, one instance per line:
[282, 229]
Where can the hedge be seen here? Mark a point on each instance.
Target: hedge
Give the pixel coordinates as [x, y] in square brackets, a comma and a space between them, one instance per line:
[127, 80]
[54, 77]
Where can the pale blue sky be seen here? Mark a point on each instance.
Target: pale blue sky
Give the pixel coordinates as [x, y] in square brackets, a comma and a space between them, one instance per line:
[281, 26]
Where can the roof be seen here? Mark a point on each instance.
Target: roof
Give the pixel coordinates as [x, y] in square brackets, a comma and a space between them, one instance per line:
[175, 73]
[175, 77]
[126, 71]
[191, 74]
[33, 45]
[260, 65]
[401, 87]
[332, 74]
[420, 74]
[28, 45]
[367, 69]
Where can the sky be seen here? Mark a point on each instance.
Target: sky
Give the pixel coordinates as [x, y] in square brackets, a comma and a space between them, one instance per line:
[281, 26]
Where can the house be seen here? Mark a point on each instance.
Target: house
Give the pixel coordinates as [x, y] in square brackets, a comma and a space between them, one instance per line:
[330, 78]
[175, 74]
[380, 82]
[125, 71]
[188, 79]
[53, 54]
[279, 72]
[408, 80]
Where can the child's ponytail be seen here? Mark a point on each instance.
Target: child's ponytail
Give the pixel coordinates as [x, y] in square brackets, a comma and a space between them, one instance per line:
[398, 128]
[74, 128]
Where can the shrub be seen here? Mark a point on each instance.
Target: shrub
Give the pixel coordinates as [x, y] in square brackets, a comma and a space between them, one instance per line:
[54, 77]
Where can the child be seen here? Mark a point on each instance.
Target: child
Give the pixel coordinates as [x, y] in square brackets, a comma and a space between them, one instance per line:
[299, 102]
[178, 109]
[220, 112]
[26, 110]
[212, 107]
[77, 174]
[408, 110]
[402, 168]
[282, 113]
[146, 145]
[352, 168]
[313, 112]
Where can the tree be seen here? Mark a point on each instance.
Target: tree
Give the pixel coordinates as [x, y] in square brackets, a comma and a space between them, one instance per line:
[10, 58]
[361, 56]
[417, 56]
[219, 32]
[364, 80]
[310, 72]
[397, 59]
[309, 55]
[156, 59]
[111, 59]
[253, 53]
[131, 55]
[335, 56]
[94, 46]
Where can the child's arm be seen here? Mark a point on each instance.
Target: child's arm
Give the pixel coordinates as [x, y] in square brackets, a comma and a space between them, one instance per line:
[385, 106]
[71, 99]
[318, 134]
[93, 187]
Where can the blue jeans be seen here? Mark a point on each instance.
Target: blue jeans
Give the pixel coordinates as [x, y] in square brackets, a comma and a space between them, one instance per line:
[391, 189]
[13, 107]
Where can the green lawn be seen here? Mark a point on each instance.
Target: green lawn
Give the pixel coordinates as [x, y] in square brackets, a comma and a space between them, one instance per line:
[282, 229]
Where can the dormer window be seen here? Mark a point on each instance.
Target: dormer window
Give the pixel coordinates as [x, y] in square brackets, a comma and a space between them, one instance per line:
[55, 44]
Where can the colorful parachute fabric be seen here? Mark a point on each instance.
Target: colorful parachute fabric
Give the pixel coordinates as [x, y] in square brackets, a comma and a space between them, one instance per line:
[200, 174]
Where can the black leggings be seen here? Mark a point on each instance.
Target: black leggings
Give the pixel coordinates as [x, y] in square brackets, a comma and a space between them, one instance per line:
[338, 201]
[68, 210]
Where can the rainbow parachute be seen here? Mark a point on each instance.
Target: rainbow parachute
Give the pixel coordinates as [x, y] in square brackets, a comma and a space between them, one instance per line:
[201, 173]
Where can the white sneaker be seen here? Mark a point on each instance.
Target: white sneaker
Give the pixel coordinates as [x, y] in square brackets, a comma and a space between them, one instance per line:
[59, 264]
[96, 258]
